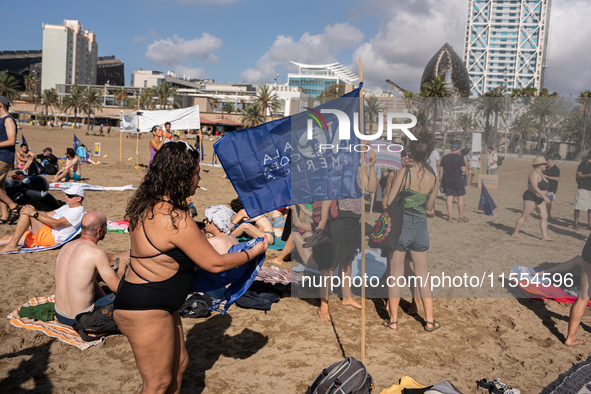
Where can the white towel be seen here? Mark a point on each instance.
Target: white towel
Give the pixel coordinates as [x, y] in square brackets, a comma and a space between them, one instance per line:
[221, 216]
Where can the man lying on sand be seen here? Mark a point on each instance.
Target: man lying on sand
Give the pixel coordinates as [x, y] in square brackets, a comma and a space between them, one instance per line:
[255, 227]
[77, 267]
[35, 228]
[218, 219]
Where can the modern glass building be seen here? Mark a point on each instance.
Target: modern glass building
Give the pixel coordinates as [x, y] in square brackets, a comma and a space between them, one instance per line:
[315, 79]
[506, 37]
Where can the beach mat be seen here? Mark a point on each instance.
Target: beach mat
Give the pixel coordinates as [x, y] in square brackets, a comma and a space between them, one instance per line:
[52, 328]
[44, 248]
[278, 245]
[539, 292]
[576, 380]
[275, 275]
[85, 186]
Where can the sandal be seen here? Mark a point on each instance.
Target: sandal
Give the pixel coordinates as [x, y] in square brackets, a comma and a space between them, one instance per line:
[389, 324]
[576, 228]
[464, 220]
[485, 384]
[435, 325]
[14, 214]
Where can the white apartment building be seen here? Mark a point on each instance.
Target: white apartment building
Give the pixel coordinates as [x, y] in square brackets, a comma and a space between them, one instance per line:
[69, 55]
[506, 38]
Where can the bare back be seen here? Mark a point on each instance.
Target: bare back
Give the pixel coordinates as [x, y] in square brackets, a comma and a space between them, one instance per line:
[75, 275]
[75, 164]
[222, 242]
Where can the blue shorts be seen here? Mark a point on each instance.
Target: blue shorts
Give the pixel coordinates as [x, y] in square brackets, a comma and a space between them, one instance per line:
[109, 298]
[415, 235]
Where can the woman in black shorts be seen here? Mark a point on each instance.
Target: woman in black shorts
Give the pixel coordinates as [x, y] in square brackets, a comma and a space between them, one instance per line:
[535, 198]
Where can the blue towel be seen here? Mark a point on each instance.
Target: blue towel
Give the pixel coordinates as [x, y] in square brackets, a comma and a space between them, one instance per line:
[240, 277]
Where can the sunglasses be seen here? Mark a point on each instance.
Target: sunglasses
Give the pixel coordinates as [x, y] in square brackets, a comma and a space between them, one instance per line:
[71, 195]
[406, 154]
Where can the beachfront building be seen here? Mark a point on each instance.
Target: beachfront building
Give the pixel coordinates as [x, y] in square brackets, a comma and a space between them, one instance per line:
[110, 71]
[20, 64]
[315, 79]
[69, 55]
[506, 39]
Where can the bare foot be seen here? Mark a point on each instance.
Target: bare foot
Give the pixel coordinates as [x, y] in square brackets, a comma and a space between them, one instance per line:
[351, 302]
[8, 248]
[573, 342]
[277, 261]
[324, 314]
[515, 235]
[547, 239]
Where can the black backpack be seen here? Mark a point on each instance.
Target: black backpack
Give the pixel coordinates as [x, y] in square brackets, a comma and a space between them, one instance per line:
[345, 377]
[260, 301]
[196, 306]
[98, 323]
[499, 160]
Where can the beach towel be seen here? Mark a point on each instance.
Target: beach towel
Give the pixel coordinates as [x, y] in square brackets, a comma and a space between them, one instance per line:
[52, 328]
[277, 245]
[275, 275]
[239, 278]
[24, 249]
[66, 185]
[576, 380]
[541, 291]
[120, 226]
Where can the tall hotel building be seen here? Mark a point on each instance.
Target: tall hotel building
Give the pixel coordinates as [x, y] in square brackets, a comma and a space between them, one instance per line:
[69, 55]
[314, 79]
[506, 37]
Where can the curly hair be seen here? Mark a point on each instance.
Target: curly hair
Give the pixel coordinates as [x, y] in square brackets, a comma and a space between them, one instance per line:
[236, 205]
[171, 174]
[421, 148]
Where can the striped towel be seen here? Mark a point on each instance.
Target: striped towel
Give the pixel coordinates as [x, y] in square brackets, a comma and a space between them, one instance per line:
[43, 248]
[275, 275]
[52, 328]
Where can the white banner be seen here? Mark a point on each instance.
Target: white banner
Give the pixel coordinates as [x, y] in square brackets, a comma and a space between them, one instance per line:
[180, 119]
[476, 142]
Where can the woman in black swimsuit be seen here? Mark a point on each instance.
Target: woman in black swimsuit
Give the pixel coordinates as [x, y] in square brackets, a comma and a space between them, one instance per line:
[535, 198]
[165, 246]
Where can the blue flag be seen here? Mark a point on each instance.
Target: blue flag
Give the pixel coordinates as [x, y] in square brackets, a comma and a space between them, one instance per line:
[239, 278]
[486, 203]
[266, 162]
[23, 140]
[79, 149]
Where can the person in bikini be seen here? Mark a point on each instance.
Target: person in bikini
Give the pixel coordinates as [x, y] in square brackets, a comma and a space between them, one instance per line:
[253, 227]
[218, 219]
[77, 267]
[72, 168]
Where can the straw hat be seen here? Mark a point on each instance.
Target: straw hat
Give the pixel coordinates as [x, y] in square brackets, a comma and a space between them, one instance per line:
[539, 160]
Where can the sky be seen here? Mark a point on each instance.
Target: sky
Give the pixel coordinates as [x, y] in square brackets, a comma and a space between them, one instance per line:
[250, 41]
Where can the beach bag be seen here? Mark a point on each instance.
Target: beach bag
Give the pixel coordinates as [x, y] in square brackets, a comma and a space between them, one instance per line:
[260, 301]
[196, 306]
[317, 211]
[98, 323]
[388, 227]
[345, 377]
[499, 161]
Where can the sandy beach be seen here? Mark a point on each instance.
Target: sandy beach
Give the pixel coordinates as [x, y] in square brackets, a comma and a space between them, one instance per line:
[247, 351]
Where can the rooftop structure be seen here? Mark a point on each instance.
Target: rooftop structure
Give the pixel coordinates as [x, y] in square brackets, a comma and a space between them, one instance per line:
[19, 64]
[110, 71]
[315, 79]
[506, 38]
[444, 61]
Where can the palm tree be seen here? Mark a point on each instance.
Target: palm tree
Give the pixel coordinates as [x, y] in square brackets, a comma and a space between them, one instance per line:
[49, 99]
[74, 101]
[91, 101]
[585, 109]
[8, 86]
[252, 116]
[30, 82]
[409, 99]
[120, 96]
[575, 127]
[491, 103]
[522, 128]
[266, 98]
[163, 92]
[466, 123]
[216, 103]
[435, 94]
[543, 108]
[228, 108]
[372, 110]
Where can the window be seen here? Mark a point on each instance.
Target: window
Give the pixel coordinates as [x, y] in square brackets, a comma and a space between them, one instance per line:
[145, 84]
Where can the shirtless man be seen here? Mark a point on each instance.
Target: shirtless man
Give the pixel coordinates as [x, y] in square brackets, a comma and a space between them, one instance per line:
[24, 157]
[72, 168]
[217, 223]
[77, 267]
[255, 227]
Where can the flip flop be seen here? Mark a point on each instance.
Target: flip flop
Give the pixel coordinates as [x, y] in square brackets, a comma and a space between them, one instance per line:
[576, 228]
[464, 219]
[389, 324]
[436, 325]
[485, 384]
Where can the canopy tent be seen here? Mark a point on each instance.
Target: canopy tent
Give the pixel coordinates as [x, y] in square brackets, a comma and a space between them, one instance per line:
[180, 119]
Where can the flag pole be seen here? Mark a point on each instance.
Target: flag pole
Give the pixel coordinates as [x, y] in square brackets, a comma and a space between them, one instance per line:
[137, 138]
[362, 128]
[120, 138]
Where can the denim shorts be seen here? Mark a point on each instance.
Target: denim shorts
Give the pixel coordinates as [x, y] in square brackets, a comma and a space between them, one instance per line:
[415, 235]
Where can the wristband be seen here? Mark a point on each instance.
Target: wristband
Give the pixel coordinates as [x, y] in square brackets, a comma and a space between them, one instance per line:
[247, 256]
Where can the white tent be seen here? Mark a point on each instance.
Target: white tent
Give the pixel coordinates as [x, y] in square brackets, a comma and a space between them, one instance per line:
[180, 119]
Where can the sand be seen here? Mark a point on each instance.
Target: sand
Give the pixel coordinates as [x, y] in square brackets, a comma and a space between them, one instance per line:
[246, 351]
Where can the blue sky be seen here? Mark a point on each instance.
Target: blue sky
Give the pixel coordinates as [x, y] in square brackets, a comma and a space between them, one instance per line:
[251, 40]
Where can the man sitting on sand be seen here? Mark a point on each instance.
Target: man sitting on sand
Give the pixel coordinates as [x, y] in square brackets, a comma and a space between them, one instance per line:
[72, 168]
[218, 219]
[24, 156]
[46, 228]
[77, 267]
[253, 227]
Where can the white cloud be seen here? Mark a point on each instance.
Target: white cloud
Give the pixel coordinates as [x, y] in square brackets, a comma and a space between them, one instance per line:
[175, 50]
[317, 49]
[135, 40]
[409, 35]
[197, 73]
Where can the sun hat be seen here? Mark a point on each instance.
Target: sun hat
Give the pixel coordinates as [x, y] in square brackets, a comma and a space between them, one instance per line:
[539, 160]
[75, 190]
